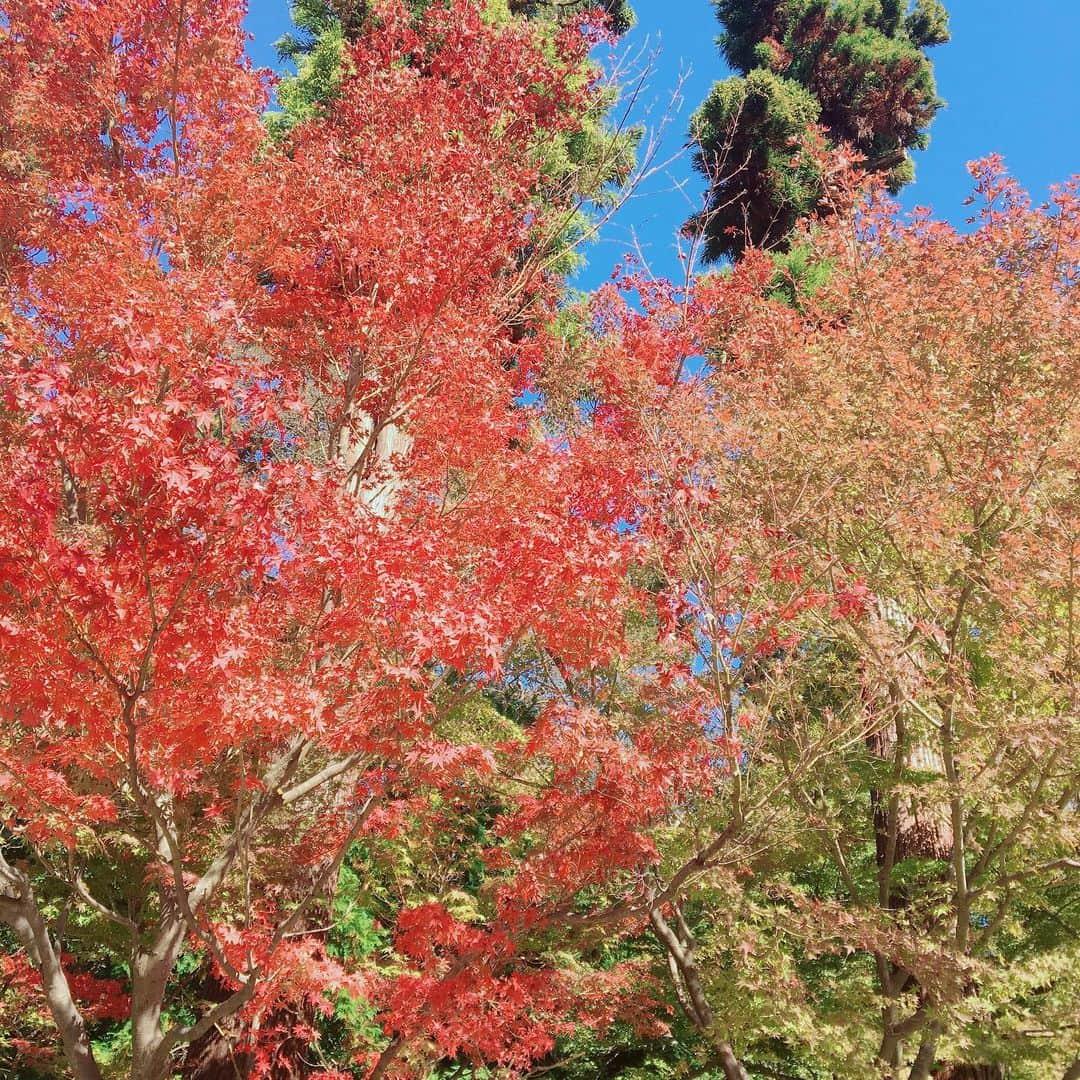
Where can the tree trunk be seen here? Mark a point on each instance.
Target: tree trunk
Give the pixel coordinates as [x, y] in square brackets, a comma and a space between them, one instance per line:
[150, 973]
[902, 828]
[890, 1053]
[731, 1065]
[924, 1059]
[681, 948]
[19, 909]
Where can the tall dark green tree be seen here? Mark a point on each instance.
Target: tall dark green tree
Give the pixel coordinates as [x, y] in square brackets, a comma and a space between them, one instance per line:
[856, 68]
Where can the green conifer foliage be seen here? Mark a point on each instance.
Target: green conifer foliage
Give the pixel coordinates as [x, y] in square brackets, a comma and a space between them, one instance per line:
[857, 68]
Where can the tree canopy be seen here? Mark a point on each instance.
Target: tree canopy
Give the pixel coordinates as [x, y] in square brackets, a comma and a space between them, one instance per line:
[855, 69]
[414, 669]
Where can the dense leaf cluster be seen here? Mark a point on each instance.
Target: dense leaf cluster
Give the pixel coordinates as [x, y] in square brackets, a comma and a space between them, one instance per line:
[410, 670]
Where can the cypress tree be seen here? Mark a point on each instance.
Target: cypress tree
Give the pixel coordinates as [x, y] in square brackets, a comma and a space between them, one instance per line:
[856, 68]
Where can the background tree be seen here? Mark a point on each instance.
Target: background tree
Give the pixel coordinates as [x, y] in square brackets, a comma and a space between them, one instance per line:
[857, 69]
[896, 456]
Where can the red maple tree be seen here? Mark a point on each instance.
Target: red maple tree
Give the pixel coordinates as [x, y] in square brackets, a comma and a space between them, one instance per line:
[273, 510]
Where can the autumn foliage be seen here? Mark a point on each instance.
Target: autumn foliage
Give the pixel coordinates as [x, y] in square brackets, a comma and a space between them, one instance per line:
[227, 583]
[347, 567]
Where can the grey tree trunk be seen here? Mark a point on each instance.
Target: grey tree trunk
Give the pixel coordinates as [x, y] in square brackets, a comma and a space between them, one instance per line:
[150, 973]
[19, 909]
[924, 1059]
[681, 948]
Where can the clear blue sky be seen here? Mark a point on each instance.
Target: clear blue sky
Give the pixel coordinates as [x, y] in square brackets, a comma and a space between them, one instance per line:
[1010, 77]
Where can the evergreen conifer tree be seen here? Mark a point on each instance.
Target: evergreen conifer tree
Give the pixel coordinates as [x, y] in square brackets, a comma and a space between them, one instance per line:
[856, 68]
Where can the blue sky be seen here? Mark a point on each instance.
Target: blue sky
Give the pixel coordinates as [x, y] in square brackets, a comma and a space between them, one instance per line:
[1010, 77]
